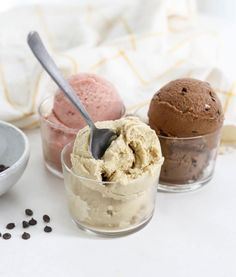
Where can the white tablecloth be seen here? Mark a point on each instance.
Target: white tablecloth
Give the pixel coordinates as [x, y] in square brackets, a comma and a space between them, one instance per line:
[191, 234]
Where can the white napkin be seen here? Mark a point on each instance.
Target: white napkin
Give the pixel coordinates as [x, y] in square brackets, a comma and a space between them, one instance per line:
[137, 45]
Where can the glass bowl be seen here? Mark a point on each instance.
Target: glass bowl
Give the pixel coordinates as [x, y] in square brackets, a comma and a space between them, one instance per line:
[109, 208]
[189, 162]
[54, 137]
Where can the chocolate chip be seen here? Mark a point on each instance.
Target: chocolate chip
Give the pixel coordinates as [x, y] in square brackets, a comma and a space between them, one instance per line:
[25, 236]
[32, 222]
[47, 229]
[212, 96]
[25, 224]
[194, 162]
[10, 226]
[3, 167]
[162, 133]
[46, 218]
[194, 132]
[184, 90]
[110, 212]
[211, 93]
[6, 236]
[104, 177]
[29, 212]
[207, 107]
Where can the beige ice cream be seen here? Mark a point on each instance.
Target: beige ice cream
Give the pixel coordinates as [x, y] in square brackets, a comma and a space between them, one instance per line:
[130, 167]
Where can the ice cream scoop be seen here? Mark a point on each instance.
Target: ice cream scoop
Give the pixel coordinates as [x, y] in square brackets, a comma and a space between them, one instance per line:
[100, 139]
[134, 153]
[98, 95]
[184, 108]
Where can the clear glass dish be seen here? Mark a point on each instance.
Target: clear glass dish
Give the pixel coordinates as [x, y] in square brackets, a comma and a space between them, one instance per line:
[54, 137]
[109, 208]
[189, 162]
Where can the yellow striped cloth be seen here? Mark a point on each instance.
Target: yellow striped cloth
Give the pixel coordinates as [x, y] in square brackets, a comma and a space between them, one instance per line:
[137, 47]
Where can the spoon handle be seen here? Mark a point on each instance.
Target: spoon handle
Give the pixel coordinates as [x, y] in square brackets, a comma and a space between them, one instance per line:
[36, 45]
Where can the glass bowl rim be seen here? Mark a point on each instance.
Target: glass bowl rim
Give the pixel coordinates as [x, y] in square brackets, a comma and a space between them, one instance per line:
[55, 125]
[63, 127]
[217, 131]
[64, 164]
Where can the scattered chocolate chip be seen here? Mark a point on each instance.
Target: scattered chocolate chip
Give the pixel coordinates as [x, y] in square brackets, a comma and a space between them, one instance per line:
[46, 218]
[25, 224]
[10, 226]
[3, 167]
[25, 236]
[6, 236]
[194, 132]
[184, 90]
[32, 222]
[218, 112]
[47, 229]
[29, 212]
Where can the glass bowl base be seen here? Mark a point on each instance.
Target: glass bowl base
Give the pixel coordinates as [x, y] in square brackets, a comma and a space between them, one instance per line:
[54, 171]
[112, 233]
[170, 187]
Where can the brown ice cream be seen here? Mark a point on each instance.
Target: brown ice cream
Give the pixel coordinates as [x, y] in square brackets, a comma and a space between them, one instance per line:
[185, 108]
[182, 109]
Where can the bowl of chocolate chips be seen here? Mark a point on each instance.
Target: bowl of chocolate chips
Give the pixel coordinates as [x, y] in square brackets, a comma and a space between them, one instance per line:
[14, 155]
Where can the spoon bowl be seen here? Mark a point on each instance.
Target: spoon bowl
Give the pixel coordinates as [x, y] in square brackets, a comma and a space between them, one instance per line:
[100, 141]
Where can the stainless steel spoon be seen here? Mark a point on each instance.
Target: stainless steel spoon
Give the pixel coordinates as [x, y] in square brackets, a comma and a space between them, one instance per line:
[100, 139]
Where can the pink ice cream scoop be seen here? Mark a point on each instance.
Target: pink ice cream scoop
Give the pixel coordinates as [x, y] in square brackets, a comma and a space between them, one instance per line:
[99, 97]
[60, 126]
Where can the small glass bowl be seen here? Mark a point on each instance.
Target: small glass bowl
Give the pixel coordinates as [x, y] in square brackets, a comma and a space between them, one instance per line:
[54, 137]
[108, 208]
[189, 162]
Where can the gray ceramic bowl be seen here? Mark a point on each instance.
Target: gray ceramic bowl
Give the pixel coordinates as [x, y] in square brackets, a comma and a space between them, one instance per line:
[14, 152]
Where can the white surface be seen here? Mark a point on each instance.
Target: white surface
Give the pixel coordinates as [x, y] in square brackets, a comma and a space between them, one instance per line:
[191, 234]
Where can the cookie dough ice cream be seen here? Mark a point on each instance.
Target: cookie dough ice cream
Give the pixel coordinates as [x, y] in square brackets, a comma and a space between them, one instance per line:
[187, 115]
[118, 191]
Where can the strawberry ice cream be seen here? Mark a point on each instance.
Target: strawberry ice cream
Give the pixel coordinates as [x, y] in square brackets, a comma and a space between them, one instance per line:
[99, 97]
[60, 121]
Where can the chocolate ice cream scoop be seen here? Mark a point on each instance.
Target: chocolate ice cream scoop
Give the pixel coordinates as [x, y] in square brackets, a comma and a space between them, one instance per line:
[185, 108]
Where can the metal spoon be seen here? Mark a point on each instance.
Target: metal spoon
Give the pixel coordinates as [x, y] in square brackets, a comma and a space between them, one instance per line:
[100, 139]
